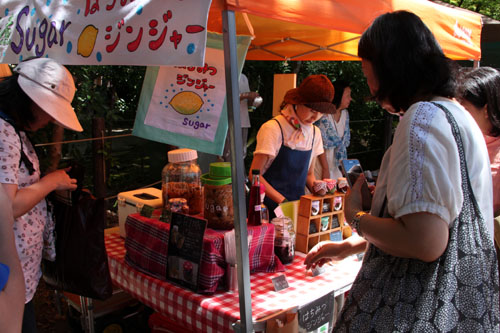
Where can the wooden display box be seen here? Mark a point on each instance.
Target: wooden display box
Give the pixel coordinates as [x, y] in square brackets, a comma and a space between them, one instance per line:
[305, 239]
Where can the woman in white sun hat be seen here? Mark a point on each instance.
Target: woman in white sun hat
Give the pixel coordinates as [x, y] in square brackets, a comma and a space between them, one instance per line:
[39, 92]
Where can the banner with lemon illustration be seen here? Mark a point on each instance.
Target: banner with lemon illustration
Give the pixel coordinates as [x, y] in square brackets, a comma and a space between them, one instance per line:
[93, 32]
[186, 106]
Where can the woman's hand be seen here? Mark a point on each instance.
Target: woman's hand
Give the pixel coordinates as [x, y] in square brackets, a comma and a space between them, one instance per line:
[60, 180]
[353, 199]
[324, 252]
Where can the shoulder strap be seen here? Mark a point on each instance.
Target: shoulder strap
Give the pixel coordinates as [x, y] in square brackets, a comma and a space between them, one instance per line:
[24, 157]
[314, 134]
[466, 185]
[281, 130]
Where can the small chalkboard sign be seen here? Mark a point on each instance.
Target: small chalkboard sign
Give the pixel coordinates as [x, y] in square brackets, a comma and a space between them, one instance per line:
[317, 313]
[166, 216]
[280, 282]
[147, 211]
[185, 247]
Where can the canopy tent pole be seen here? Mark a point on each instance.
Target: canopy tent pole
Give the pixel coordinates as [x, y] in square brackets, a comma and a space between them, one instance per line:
[237, 170]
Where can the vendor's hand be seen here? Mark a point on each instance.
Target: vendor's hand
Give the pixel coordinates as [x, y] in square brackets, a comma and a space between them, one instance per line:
[60, 180]
[252, 95]
[324, 252]
[353, 199]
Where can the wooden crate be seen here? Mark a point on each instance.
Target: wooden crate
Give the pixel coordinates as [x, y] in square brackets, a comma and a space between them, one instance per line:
[305, 240]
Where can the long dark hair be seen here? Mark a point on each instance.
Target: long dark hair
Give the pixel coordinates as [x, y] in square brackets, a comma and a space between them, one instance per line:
[15, 103]
[339, 86]
[407, 60]
[481, 86]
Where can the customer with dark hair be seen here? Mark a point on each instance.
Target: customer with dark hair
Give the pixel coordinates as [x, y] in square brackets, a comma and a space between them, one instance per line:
[40, 91]
[479, 93]
[335, 133]
[430, 263]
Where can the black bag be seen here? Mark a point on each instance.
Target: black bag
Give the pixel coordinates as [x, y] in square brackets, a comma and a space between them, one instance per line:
[81, 265]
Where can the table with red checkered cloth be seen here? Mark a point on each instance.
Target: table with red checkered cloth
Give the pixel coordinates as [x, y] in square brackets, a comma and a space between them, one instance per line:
[217, 312]
[147, 245]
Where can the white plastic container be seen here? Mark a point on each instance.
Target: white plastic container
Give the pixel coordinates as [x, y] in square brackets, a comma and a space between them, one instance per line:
[132, 202]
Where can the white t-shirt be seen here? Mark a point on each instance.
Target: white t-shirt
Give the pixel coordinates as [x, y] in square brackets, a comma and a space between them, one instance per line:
[340, 125]
[421, 170]
[244, 87]
[269, 140]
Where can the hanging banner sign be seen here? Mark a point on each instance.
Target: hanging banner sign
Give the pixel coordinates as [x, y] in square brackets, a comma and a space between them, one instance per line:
[185, 106]
[189, 100]
[111, 32]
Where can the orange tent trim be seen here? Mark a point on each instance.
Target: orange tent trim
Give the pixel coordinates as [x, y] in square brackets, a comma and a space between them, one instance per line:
[330, 29]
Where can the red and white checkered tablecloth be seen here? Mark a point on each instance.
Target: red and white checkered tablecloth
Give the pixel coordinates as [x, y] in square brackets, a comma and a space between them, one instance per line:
[217, 312]
[146, 248]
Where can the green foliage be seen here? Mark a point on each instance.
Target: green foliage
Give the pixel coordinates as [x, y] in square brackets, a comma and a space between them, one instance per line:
[490, 8]
[110, 92]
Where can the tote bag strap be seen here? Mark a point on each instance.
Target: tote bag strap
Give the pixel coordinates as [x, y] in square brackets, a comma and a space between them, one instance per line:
[466, 185]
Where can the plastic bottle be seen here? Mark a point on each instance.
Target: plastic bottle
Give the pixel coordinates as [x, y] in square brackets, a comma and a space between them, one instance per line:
[254, 208]
[181, 179]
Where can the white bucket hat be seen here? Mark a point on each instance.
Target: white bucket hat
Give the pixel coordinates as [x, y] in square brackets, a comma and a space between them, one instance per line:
[51, 86]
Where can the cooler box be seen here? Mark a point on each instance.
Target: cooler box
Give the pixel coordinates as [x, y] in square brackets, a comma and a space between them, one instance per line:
[132, 202]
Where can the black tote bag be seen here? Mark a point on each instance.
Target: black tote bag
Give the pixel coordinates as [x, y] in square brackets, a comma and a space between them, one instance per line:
[81, 265]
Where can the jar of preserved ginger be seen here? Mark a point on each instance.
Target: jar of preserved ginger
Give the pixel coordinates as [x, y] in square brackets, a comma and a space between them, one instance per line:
[181, 178]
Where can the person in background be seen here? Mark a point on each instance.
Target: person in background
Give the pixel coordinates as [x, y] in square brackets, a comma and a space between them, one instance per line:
[247, 98]
[335, 133]
[430, 264]
[39, 92]
[479, 93]
[288, 144]
[11, 275]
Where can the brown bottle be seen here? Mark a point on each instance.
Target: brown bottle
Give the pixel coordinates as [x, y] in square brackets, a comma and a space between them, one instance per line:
[254, 208]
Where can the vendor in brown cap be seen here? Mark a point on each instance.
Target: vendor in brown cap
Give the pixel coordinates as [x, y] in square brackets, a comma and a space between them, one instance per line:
[288, 144]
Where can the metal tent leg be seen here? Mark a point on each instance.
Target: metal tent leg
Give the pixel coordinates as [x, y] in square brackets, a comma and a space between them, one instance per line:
[87, 314]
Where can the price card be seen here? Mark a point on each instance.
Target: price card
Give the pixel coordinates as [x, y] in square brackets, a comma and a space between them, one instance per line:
[280, 282]
[318, 270]
[317, 314]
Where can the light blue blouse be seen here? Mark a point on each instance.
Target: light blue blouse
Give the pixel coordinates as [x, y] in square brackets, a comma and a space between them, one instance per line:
[331, 138]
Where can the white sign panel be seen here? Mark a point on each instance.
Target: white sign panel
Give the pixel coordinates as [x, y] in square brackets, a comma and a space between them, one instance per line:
[189, 100]
[110, 32]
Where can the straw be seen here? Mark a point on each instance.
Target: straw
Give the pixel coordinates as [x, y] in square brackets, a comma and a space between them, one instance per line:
[230, 247]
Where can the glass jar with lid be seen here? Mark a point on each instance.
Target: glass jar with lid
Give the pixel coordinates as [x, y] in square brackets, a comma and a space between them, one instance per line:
[284, 241]
[181, 178]
[218, 196]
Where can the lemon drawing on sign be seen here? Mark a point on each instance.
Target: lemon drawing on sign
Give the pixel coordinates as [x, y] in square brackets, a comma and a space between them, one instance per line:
[186, 102]
[86, 41]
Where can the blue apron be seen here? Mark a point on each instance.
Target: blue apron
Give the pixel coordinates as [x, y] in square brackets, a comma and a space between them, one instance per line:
[288, 173]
